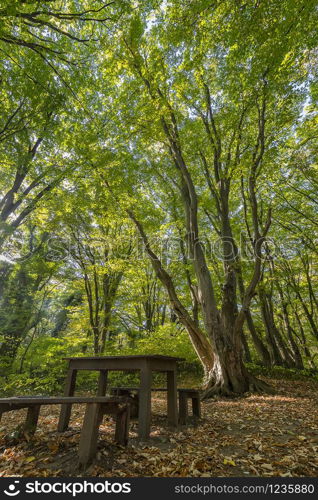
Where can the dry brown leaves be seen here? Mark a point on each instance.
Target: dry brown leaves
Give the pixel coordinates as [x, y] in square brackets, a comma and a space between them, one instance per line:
[253, 436]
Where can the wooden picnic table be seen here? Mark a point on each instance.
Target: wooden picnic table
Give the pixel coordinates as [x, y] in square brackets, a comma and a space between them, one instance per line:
[145, 364]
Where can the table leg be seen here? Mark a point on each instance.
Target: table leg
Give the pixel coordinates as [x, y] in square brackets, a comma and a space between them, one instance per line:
[102, 383]
[144, 403]
[172, 397]
[67, 408]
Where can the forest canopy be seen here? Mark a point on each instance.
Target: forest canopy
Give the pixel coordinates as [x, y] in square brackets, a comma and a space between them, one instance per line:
[158, 186]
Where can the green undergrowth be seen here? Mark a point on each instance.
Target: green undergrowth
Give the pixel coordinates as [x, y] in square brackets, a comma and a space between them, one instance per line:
[279, 372]
[49, 379]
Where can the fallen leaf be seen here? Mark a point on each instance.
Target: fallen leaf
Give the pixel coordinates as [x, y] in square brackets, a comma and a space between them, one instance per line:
[229, 462]
[267, 466]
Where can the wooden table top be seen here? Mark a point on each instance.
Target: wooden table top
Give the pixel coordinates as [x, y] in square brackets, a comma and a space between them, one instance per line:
[135, 356]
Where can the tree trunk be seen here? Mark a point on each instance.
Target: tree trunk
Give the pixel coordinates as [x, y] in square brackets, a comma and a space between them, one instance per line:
[247, 352]
[229, 376]
[293, 345]
[279, 351]
[259, 344]
[304, 342]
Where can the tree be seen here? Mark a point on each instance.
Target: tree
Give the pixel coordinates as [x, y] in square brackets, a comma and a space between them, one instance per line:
[216, 135]
[43, 70]
[23, 298]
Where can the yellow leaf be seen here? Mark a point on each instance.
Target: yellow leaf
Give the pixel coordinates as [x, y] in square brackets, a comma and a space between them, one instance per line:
[29, 459]
[229, 462]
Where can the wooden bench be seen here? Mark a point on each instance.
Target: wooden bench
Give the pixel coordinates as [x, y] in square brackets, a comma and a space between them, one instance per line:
[132, 393]
[184, 396]
[96, 407]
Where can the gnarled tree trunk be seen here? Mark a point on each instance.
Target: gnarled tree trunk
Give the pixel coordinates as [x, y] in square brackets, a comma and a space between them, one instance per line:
[219, 347]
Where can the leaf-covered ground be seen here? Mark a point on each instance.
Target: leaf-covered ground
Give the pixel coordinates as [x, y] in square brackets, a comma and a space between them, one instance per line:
[253, 436]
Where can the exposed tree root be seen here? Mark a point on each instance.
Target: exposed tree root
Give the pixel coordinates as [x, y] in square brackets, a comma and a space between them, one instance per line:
[253, 384]
[259, 386]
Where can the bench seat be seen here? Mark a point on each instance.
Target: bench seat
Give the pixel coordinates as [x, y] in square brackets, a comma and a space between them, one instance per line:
[96, 407]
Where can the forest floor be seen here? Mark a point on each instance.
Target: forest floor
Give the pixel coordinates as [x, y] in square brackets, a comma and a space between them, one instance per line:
[251, 436]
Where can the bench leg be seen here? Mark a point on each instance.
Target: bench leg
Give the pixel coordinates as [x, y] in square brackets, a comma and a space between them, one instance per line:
[196, 407]
[102, 383]
[134, 406]
[102, 387]
[133, 399]
[66, 409]
[183, 408]
[89, 435]
[172, 398]
[144, 414]
[31, 420]
[122, 426]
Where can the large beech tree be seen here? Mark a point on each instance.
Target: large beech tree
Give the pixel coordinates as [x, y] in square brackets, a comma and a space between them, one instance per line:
[218, 127]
